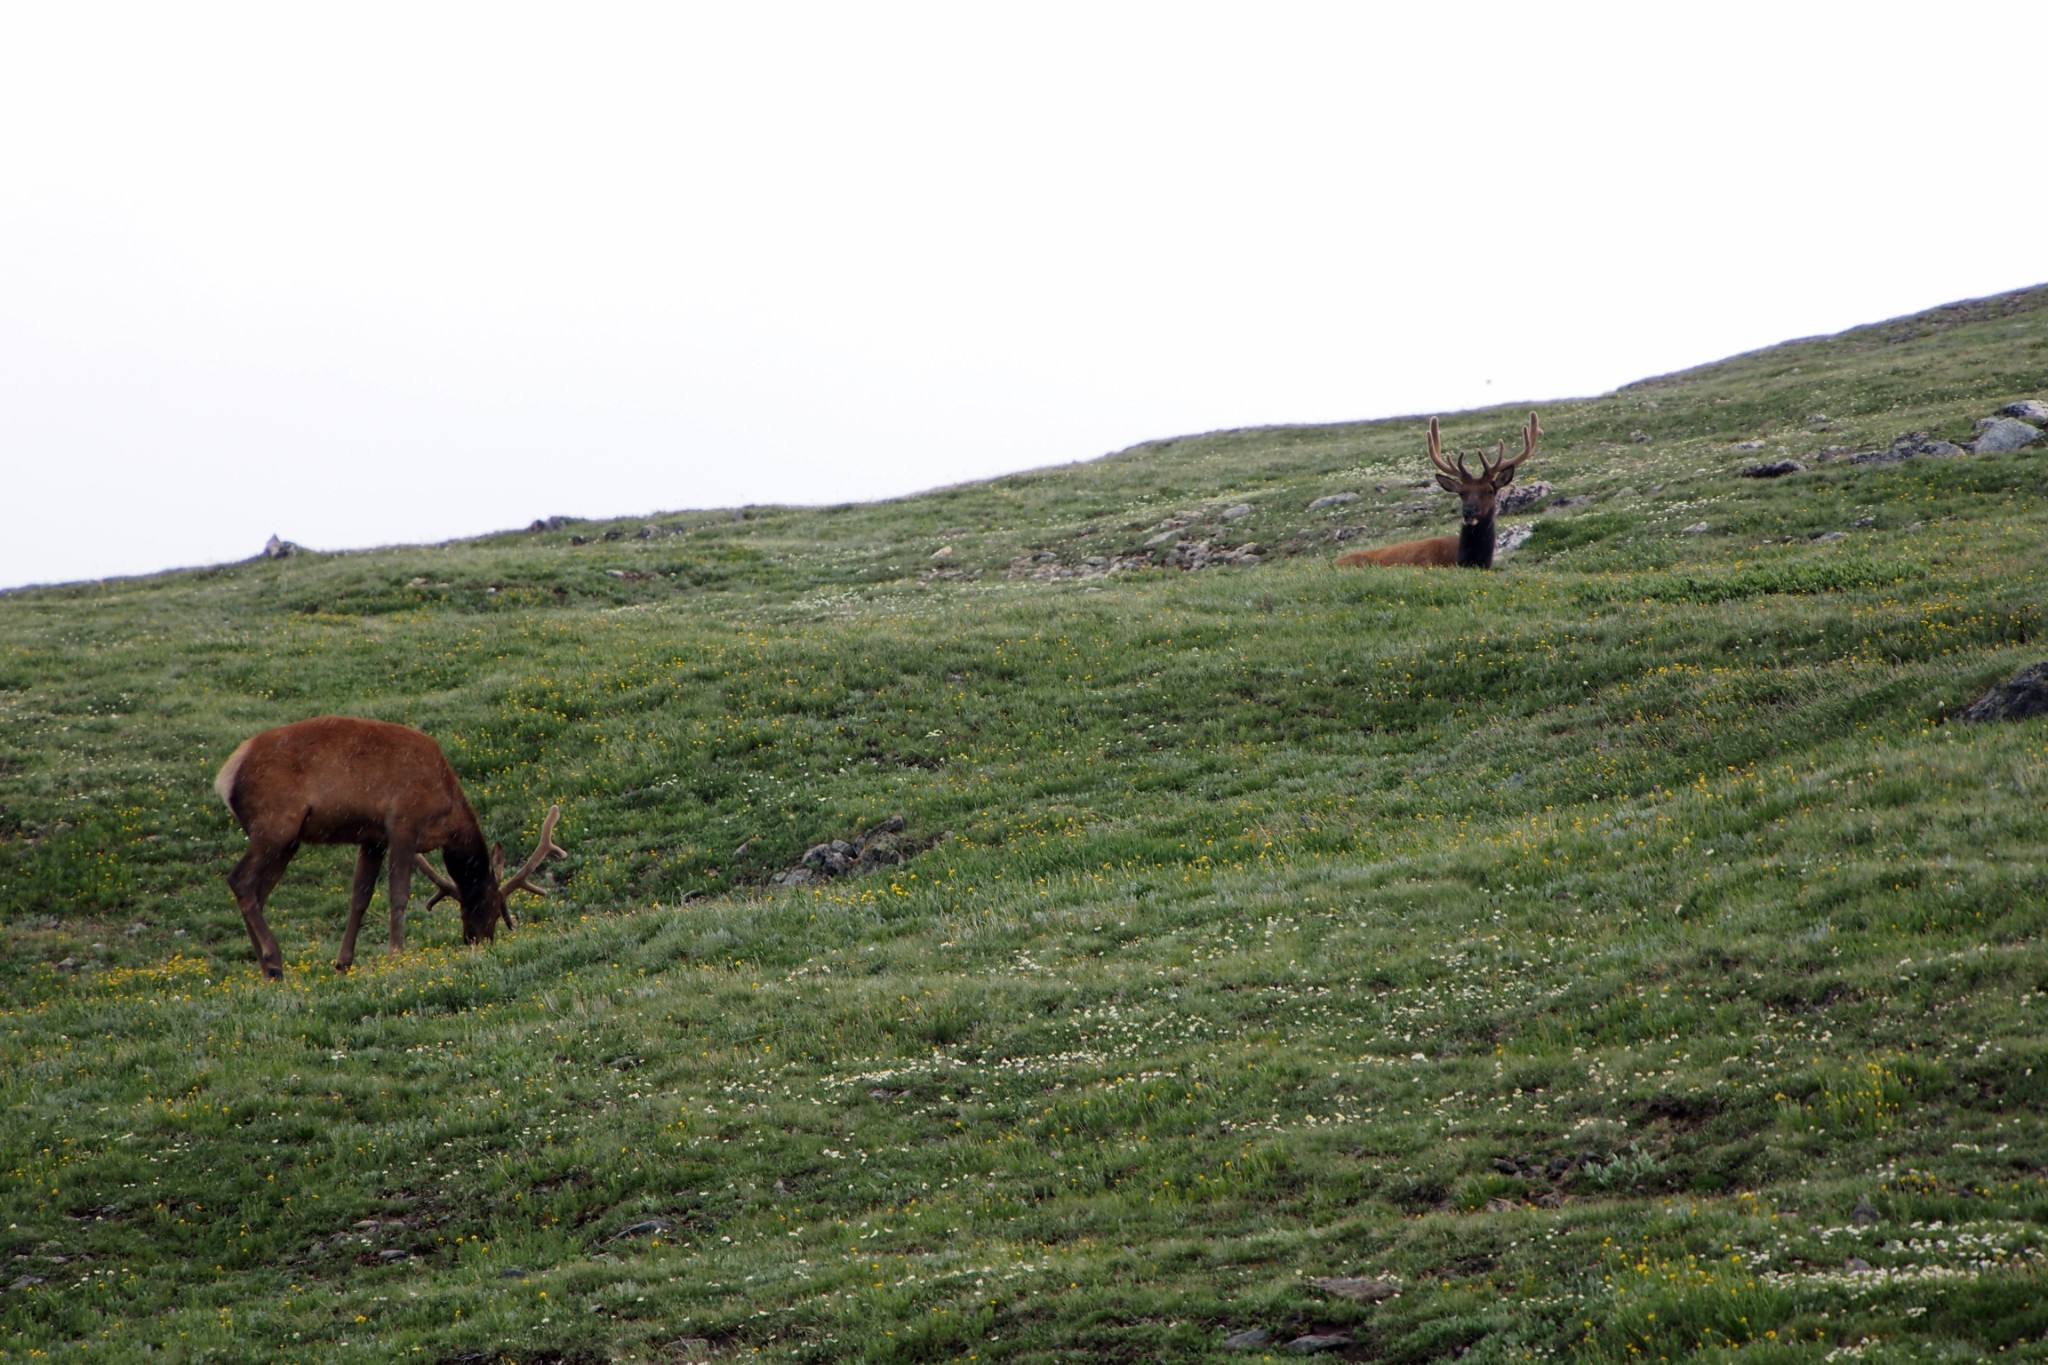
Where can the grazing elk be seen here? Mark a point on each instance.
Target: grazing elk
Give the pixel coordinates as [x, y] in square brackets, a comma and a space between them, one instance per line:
[1472, 547]
[385, 787]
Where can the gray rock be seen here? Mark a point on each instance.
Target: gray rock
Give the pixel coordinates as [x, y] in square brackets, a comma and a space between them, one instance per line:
[275, 548]
[642, 1229]
[2027, 410]
[1317, 1342]
[1194, 555]
[1332, 500]
[1864, 1214]
[1522, 495]
[1251, 1339]
[1641, 438]
[2022, 695]
[1942, 448]
[1696, 529]
[1749, 445]
[1243, 509]
[1775, 469]
[1361, 1289]
[2004, 434]
[1832, 535]
[1883, 456]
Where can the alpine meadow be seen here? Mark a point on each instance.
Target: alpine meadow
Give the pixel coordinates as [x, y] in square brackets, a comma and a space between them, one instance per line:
[1623, 953]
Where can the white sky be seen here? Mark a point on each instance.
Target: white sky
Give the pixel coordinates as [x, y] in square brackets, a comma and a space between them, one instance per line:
[363, 274]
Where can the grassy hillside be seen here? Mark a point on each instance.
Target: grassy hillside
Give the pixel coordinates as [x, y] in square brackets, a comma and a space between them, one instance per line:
[1615, 956]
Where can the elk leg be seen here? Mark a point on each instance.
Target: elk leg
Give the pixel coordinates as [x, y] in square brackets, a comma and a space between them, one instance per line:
[401, 891]
[252, 881]
[369, 861]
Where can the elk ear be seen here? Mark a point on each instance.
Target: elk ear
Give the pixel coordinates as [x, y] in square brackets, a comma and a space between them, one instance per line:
[1449, 484]
[1504, 478]
[497, 862]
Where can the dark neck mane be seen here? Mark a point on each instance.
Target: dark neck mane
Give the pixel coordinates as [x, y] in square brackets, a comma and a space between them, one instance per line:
[1475, 545]
[469, 867]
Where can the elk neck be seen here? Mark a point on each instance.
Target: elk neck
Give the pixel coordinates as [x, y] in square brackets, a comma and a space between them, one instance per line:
[1475, 544]
[469, 867]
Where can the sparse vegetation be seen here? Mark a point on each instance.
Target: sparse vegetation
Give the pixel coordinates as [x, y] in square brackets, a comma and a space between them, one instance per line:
[1618, 951]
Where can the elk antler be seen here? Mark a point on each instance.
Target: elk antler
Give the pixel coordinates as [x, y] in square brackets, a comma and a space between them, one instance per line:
[1436, 456]
[445, 889]
[1503, 465]
[546, 849]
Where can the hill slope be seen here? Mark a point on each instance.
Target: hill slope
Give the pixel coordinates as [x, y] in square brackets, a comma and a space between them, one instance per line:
[1617, 954]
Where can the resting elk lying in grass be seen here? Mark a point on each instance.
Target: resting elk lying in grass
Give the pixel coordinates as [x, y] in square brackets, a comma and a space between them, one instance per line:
[1472, 547]
[384, 787]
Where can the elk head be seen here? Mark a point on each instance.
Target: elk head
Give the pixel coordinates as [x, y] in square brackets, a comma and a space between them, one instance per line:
[1476, 492]
[480, 914]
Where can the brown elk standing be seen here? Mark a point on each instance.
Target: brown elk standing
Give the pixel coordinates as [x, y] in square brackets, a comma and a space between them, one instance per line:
[384, 787]
[1472, 547]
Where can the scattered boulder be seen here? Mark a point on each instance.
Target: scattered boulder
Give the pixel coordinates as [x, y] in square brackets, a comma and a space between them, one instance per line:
[1315, 1343]
[2027, 410]
[2002, 434]
[275, 548]
[1522, 495]
[880, 846]
[1831, 535]
[1048, 565]
[1641, 438]
[1864, 1214]
[1332, 500]
[651, 1226]
[1905, 447]
[1243, 509]
[1775, 469]
[1749, 445]
[1195, 555]
[2022, 695]
[1698, 528]
[1359, 1289]
[548, 524]
[1251, 1339]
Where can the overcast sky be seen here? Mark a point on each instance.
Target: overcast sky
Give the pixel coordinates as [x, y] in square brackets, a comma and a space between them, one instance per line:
[363, 274]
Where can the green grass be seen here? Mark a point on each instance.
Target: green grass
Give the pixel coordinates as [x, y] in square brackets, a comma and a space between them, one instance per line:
[1578, 945]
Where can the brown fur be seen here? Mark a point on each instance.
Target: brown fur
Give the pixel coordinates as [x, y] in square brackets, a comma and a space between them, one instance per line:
[1436, 552]
[341, 780]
